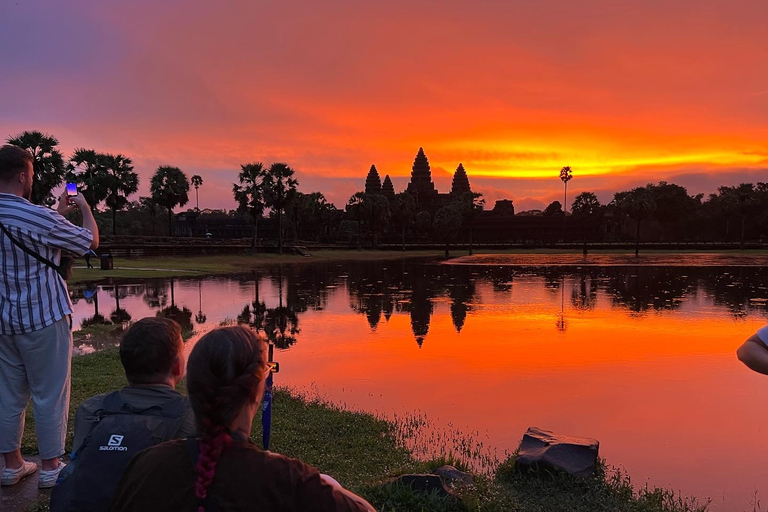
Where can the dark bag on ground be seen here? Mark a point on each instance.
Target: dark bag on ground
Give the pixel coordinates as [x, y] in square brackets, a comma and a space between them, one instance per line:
[91, 478]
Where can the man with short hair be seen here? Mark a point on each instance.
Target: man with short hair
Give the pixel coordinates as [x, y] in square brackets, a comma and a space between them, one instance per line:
[152, 355]
[35, 316]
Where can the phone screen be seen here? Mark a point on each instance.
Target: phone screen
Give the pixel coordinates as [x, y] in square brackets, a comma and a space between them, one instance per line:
[71, 189]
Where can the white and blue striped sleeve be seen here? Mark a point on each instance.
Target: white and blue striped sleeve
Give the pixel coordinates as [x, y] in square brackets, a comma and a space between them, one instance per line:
[66, 236]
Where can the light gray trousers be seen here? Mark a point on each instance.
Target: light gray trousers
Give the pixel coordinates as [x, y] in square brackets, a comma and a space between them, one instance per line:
[36, 364]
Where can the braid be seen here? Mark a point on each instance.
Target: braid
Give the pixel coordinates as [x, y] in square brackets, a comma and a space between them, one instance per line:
[211, 446]
[224, 373]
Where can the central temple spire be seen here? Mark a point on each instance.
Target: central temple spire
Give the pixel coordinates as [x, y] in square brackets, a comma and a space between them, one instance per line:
[421, 177]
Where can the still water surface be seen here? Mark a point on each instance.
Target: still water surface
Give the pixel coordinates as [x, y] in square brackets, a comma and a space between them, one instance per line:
[641, 358]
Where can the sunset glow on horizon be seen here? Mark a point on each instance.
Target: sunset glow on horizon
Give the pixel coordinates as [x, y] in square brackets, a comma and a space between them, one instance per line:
[625, 94]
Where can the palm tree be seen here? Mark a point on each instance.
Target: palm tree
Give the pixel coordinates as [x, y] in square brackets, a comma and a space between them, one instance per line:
[565, 177]
[48, 163]
[170, 188]
[121, 182]
[279, 191]
[249, 194]
[88, 169]
[197, 181]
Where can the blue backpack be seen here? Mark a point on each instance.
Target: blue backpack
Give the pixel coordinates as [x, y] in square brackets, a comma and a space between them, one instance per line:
[91, 478]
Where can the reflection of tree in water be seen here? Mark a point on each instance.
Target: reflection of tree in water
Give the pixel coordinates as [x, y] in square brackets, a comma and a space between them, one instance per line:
[584, 293]
[308, 285]
[280, 324]
[97, 318]
[182, 316]
[200, 317]
[254, 314]
[155, 294]
[119, 315]
[740, 290]
[562, 323]
[648, 288]
[370, 291]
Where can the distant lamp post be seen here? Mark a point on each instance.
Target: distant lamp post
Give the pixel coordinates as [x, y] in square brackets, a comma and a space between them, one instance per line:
[565, 175]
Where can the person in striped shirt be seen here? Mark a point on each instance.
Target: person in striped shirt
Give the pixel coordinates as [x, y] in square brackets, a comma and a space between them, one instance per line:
[35, 316]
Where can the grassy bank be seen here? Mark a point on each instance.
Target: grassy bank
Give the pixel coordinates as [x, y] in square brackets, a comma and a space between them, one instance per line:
[174, 266]
[363, 452]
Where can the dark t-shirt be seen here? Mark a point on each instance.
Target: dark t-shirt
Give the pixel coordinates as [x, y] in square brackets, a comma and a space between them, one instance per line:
[162, 478]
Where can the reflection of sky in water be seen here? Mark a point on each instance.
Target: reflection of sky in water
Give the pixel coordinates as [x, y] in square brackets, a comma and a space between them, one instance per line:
[642, 359]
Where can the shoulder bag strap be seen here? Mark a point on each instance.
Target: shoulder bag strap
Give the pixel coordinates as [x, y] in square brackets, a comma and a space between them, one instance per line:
[29, 251]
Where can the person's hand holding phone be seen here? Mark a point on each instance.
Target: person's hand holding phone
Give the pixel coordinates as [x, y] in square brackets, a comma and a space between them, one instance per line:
[65, 206]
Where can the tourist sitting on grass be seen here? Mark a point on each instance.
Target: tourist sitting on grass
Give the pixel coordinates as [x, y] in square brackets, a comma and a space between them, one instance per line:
[754, 352]
[112, 427]
[222, 470]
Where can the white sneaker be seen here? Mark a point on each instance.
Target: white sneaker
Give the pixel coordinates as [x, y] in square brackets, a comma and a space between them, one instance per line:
[48, 478]
[12, 476]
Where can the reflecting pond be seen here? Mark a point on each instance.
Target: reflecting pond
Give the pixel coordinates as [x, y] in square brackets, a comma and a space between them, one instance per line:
[641, 358]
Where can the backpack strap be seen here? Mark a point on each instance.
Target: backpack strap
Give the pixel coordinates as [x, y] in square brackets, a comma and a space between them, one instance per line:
[194, 452]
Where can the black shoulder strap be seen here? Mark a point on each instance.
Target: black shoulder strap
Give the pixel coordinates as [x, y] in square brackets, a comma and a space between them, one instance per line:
[29, 251]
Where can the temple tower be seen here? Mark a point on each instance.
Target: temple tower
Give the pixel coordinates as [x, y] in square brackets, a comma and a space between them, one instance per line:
[387, 189]
[421, 178]
[373, 182]
[460, 184]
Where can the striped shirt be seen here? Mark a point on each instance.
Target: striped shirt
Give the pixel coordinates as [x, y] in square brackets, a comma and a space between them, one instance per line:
[32, 294]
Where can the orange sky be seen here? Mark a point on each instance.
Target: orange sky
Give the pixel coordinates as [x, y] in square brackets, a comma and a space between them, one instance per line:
[625, 93]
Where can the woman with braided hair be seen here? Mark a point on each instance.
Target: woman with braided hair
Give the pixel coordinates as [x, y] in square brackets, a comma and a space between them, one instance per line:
[222, 470]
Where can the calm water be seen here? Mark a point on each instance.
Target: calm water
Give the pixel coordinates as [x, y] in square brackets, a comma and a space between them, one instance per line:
[641, 358]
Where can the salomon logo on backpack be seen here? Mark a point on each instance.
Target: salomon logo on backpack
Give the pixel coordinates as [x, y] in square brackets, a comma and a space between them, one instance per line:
[90, 479]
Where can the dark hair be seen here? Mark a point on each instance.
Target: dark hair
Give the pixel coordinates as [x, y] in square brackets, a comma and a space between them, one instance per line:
[224, 372]
[13, 160]
[148, 349]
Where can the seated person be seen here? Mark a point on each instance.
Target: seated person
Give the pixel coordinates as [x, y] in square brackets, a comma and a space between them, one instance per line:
[222, 470]
[754, 352]
[110, 428]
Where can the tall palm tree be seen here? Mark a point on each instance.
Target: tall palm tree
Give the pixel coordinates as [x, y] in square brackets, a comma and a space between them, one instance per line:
[122, 181]
[88, 169]
[279, 191]
[48, 162]
[249, 194]
[565, 175]
[170, 188]
[197, 181]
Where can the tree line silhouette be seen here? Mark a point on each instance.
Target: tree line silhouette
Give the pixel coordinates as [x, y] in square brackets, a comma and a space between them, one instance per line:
[378, 213]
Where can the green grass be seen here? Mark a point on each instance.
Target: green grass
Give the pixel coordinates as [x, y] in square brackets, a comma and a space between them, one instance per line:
[364, 453]
[174, 266]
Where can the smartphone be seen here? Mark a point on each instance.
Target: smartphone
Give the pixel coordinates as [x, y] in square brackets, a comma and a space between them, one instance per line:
[71, 191]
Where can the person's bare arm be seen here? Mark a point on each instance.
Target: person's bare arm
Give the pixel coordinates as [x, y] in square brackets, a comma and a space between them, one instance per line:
[754, 354]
